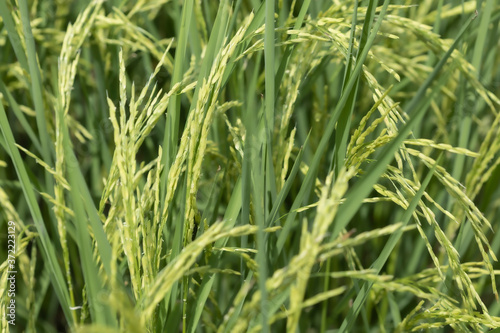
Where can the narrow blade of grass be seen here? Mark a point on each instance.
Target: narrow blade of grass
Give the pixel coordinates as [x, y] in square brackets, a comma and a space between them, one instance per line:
[36, 88]
[14, 38]
[171, 135]
[47, 249]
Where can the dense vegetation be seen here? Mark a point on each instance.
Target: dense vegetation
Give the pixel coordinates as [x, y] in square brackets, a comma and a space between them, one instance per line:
[245, 165]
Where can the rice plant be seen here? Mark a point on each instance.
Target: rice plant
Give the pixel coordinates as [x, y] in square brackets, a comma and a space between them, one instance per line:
[249, 166]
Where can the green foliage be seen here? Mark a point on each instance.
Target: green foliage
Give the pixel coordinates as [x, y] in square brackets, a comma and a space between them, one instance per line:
[233, 166]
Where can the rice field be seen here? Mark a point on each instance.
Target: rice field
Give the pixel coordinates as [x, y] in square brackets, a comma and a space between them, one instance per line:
[249, 166]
